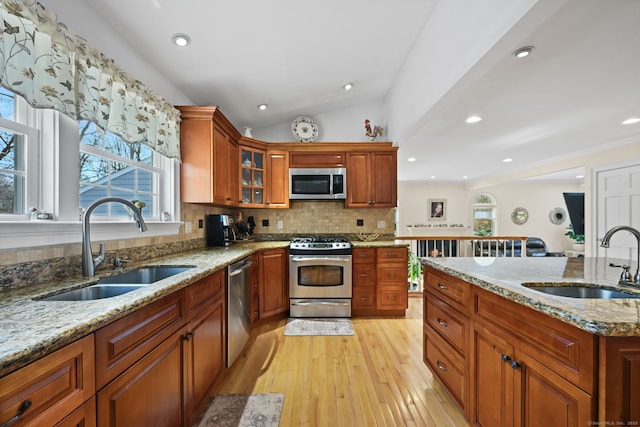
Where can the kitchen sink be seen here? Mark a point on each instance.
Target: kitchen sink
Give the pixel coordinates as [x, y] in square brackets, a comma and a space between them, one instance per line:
[92, 293]
[119, 284]
[579, 290]
[145, 275]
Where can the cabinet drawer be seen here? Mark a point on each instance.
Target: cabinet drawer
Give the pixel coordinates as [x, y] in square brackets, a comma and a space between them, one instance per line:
[399, 254]
[84, 416]
[54, 385]
[392, 275]
[364, 256]
[364, 298]
[567, 350]
[392, 298]
[446, 367]
[200, 294]
[451, 325]
[120, 344]
[364, 275]
[452, 290]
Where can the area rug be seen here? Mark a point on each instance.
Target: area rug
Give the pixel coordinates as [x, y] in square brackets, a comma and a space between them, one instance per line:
[243, 410]
[319, 327]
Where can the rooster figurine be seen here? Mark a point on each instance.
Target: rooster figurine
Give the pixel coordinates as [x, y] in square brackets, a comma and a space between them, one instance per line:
[372, 134]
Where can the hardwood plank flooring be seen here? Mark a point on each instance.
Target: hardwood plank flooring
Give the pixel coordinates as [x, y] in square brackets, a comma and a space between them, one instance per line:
[375, 378]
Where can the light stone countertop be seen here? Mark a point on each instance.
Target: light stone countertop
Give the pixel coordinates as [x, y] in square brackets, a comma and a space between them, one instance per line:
[504, 276]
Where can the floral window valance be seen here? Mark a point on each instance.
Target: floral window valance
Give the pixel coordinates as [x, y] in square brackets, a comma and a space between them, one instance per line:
[52, 67]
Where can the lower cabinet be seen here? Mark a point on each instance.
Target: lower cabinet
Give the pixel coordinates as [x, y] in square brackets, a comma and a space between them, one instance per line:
[167, 384]
[274, 286]
[84, 416]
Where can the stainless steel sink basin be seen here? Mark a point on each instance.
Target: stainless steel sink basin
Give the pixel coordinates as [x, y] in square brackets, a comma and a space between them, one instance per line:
[119, 284]
[144, 275]
[579, 290]
[93, 293]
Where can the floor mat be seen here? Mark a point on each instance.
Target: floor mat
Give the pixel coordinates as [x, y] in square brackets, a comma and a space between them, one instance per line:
[319, 327]
[243, 410]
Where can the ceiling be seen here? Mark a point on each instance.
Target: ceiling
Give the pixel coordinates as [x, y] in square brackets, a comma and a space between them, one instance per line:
[567, 98]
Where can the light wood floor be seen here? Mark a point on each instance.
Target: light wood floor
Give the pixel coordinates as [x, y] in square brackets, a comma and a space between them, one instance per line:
[375, 378]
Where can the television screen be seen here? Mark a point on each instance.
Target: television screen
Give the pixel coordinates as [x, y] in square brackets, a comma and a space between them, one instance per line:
[575, 207]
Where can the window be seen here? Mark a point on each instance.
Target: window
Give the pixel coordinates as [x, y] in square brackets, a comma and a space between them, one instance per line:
[18, 152]
[111, 167]
[485, 215]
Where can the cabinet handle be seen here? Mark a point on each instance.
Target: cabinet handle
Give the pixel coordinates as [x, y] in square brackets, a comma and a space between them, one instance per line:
[505, 358]
[364, 298]
[443, 323]
[187, 336]
[441, 365]
[364, 275]
[514, 364]
[23, 408]
[392, 298]
[441, 286]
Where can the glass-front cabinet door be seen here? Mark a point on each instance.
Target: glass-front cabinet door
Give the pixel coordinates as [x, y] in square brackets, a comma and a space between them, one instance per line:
[252, 173]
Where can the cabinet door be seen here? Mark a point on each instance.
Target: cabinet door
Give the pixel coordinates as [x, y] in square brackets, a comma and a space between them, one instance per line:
[385, 179]
[204, 357]
[492, 381]
[254, 274]
[619, 379]
[358, 180]
[277, 179]
[547, 398]
[149, 393]
[196, 150]
[84, 416]
[225, 172]
[273, 283]
[252, 177]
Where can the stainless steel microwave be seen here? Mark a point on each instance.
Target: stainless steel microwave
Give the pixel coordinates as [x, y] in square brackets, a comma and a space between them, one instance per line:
[317, 183]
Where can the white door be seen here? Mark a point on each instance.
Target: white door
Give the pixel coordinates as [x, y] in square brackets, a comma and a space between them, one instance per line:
[618, 203]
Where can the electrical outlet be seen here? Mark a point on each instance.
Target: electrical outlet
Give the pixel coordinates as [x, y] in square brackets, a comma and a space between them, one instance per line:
[265, 222]
[201, 223]
[187, 227]
[359, 222]
[280, 224]
[382, 224]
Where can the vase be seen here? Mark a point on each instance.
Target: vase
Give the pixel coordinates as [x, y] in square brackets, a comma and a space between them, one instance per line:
[247, 132]
[578, 247]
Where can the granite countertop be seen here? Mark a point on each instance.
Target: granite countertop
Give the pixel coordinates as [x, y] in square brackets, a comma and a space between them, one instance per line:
[32, 329]
[504, 276]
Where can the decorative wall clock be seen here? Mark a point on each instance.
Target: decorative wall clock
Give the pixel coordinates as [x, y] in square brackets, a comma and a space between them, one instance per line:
[557, 216]
[304, 129]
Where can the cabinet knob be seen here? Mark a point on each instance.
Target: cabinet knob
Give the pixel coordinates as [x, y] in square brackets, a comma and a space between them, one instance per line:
[441, 365]
[187, 336]
[23, 408]
[505, 358]
[514, 364]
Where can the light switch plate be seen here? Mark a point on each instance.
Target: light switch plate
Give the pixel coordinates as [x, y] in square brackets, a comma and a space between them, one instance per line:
[187, 227]
[382, 224]
[280, 224]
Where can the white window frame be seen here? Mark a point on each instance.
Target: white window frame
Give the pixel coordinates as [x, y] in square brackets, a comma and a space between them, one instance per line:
[55, 188]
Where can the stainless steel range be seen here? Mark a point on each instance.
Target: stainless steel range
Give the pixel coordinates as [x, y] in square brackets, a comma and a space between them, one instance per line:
[320, 277]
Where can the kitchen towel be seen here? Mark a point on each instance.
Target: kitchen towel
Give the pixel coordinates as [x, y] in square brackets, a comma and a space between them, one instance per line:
[314, 326]
[243, 410]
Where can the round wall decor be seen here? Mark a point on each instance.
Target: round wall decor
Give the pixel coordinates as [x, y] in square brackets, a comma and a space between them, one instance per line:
[304, 129]
[557, 216]
[519, 216]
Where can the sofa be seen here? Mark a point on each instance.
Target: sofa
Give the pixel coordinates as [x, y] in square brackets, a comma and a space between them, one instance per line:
[535, 247]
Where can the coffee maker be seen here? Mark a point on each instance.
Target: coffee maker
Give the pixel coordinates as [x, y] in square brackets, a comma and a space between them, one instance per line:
[220, 230]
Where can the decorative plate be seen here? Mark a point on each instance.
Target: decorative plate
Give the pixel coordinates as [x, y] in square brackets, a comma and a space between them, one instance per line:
[557, 216]
[304, 129]
[519, 216]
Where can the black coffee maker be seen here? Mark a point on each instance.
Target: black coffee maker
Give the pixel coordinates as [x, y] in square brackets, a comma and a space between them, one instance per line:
[220, 230]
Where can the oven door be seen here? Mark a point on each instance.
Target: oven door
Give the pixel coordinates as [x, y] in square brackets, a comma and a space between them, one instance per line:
[320, 276]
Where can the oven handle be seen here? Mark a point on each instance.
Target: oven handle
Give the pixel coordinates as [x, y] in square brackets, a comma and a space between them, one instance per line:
[317, 258]
[316, 302]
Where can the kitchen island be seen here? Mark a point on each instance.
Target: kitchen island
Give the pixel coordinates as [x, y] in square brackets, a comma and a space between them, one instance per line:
[512, 355]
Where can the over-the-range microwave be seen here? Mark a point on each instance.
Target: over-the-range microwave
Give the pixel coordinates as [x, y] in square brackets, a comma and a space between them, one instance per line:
[317, 183]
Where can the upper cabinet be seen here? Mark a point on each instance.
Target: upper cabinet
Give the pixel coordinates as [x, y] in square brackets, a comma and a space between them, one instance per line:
[372, 179]
[277, 179]
[209, 150]
[321, 159]
[252, 177]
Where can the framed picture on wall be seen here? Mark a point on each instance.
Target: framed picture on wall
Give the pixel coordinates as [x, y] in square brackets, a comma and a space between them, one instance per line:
[437, 209]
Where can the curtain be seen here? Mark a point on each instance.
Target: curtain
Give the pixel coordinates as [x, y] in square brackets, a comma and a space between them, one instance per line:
[52, 67]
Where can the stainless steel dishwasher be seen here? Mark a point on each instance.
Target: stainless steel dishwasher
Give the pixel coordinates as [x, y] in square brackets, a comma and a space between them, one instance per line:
[238, 308]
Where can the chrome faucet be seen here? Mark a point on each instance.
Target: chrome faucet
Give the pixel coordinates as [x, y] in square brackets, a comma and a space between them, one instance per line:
[89, 264]
[636, 233]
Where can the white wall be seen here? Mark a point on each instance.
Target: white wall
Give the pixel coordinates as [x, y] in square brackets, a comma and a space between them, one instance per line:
[537, 198]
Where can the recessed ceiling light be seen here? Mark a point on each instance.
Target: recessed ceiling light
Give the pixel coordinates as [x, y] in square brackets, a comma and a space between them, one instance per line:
[507, 160]
[579, 176]
[433, 177]
[631, 121]
[262, 107]
[465, 177]
[473, 119]
[411, 159]
[348, 86]
[181, 40]
[523, 52]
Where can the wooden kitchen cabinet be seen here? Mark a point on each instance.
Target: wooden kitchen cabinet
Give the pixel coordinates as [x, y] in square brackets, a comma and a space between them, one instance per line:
[372, 179]
[392, 268]
[274, 284]
[84, 416]
[277, 179]
[209, 152]
[364, 280]
[254, 278]
[324, 159]
[619, 387]
[252, 177]
[50, 389]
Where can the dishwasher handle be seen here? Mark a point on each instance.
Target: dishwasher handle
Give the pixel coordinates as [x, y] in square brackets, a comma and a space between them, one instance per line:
[241, 269]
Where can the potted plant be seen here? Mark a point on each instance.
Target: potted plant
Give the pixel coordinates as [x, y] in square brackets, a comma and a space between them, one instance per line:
[578, 239]
[415, 272]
